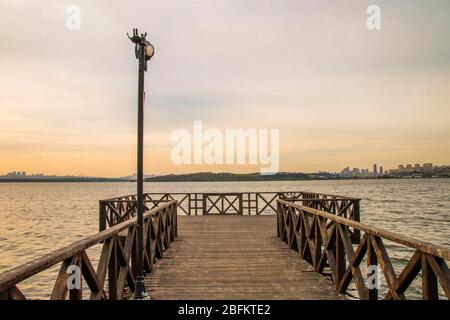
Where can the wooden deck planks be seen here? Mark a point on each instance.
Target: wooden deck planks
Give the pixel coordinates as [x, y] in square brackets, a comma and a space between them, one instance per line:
[233, 257]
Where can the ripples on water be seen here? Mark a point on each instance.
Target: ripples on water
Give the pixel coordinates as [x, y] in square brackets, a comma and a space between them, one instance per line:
[37, 218]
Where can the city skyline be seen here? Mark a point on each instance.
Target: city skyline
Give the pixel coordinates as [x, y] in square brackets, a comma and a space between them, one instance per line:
[351, 171]
[338, 92]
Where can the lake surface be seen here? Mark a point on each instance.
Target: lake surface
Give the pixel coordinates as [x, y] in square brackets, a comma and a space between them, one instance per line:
[37, 218]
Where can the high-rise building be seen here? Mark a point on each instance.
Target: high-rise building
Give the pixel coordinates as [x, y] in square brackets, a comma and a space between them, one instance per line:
[345, 172]
[375, 171]
[381, 170]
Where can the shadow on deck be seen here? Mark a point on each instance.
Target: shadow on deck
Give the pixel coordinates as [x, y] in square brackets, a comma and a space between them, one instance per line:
[233, 257]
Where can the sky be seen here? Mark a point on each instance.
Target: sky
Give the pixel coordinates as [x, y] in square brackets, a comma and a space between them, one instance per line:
[339, 93]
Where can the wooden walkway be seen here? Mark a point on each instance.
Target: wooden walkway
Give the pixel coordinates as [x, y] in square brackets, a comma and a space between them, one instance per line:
[233, 257]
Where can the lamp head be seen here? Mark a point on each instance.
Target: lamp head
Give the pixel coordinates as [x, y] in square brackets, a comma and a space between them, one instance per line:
[140, 40]
[149, 50]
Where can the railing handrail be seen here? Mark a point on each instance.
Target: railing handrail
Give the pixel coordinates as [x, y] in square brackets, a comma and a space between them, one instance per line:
[162, 200]
[27, 270]
[423, 246]
[338, 197]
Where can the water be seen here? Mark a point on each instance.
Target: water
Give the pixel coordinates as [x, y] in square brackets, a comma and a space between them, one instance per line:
[37, 218]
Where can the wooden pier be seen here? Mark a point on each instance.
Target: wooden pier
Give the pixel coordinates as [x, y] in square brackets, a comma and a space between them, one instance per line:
[251, 245]
[234, 257]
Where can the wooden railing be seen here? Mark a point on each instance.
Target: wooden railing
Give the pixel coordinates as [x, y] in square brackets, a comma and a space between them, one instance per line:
[116, 263]
[324, 240]
[116, 210]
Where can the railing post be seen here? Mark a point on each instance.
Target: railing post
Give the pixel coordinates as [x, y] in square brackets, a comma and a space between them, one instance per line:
[77, 293]
[204, 205]
[173, 212]
[256, 205]
[189, 204]
[102, 216]
[372, 261]
[278, 218]
[133, 260]
[429, 281]
[356, 217]
[340, 256]
[241, 210]
[113, 271]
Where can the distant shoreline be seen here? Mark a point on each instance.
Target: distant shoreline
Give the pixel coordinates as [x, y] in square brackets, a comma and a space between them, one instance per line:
[39, 180]
[281, 176]
[215, 177]
[288, 180]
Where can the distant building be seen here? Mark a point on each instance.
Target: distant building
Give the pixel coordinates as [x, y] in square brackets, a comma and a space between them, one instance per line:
[16, 174]
[416, 168]
[345, 172]
[408, 170]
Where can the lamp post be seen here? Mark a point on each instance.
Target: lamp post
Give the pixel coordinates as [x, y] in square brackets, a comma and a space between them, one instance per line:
[144, 51]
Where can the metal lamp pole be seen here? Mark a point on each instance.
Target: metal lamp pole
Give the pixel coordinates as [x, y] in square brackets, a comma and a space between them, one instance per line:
[144, 50]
